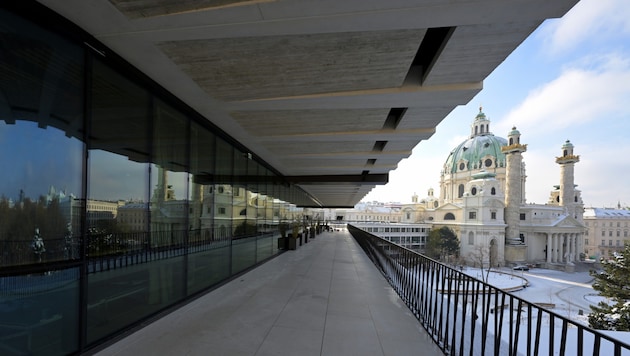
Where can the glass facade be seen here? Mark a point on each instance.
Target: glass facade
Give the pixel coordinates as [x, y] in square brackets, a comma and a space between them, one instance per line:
[116, 200]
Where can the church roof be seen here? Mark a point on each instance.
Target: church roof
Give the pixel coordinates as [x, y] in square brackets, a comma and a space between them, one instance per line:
[606, 213]
[481, 144]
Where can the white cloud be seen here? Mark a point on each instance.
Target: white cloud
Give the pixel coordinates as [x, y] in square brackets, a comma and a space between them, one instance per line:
[588, 21]
[542, 174]
[600, 185]
[601, 175]
[588, 90]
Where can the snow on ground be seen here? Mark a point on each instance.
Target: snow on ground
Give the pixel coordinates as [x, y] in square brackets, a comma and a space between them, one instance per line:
[570, 293]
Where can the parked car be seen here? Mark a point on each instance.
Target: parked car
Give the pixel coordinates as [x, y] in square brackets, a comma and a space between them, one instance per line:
[521, 268]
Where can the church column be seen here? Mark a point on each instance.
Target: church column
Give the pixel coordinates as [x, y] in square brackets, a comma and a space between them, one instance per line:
[561, 248]
[569, 249]
[549, 249]
[555, 247]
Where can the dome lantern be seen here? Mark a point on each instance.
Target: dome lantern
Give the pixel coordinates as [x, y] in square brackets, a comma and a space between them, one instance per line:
[567, 154]
[567, 148]
[514, 142]
[481, 125]
[514, 136]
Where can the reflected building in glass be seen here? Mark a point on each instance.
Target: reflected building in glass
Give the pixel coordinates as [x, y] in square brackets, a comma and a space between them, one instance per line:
[117, 201]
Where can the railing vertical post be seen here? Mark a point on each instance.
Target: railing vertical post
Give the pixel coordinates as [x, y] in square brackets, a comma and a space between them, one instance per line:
[518, 327]
[464, 307]
[563, 338]
[580, 341]
[499, 329]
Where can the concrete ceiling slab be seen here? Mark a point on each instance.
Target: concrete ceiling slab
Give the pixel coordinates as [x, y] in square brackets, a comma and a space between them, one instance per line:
[330, 94]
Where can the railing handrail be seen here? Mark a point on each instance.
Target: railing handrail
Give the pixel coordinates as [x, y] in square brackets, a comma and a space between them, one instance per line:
[439, 297]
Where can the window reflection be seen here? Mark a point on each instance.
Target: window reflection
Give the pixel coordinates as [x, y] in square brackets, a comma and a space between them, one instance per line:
[169, 179]
[40, 136]
[41, 132]
[170, 207]
[118, 168]
[117, 204]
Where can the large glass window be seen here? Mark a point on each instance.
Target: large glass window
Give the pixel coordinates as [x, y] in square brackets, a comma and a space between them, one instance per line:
[130, 199]
[264, 215]
[168, 206]
[41, 137]
[244, 217]
[119, 156]
[209, 250]
[223, 190]
[41, 133]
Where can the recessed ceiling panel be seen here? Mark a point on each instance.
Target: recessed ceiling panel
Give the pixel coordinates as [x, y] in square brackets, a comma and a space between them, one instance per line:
[292, 122]
[143, 8]
[250, 68]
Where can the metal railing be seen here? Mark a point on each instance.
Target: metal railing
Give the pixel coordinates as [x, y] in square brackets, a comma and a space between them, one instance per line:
[466, 316]
[106, 251]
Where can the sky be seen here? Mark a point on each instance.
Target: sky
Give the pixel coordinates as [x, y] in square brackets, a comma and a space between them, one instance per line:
[570, 80]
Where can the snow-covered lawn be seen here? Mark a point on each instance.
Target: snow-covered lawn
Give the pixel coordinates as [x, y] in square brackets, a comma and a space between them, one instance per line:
[569, 295]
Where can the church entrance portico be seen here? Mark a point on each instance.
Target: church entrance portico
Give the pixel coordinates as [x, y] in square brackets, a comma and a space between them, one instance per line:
[561, 249]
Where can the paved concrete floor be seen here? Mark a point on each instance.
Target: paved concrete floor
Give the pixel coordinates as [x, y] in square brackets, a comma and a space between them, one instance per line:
[325, 298]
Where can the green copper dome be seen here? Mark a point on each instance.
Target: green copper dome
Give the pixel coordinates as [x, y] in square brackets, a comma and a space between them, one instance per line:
[473, 151]
[481, 151]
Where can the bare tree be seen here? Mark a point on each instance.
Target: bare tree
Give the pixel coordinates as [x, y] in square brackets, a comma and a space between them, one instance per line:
[481, 255]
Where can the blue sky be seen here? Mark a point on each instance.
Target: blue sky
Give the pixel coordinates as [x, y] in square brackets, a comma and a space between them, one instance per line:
[569, 80]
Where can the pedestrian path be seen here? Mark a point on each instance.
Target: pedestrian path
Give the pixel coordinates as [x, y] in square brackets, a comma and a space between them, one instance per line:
[325, 298]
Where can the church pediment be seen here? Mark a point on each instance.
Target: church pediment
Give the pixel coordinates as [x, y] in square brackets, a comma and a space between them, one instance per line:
[448, 206]
[568, 221]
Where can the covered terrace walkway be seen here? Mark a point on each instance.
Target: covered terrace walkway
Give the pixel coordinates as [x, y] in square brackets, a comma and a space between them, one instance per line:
[325, 298]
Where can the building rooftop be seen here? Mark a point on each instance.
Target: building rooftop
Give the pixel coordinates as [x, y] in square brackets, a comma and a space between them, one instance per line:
[606, 213]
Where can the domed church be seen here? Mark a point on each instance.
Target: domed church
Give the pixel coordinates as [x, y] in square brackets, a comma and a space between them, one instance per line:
[482, 198]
